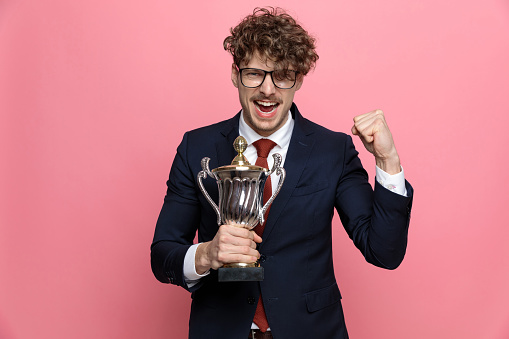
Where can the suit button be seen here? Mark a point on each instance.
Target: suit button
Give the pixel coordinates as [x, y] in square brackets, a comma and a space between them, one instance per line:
[171, 277]
[263, 258]
[251, 300]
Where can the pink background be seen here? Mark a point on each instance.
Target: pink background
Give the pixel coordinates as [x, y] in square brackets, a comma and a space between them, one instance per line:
[94, 99]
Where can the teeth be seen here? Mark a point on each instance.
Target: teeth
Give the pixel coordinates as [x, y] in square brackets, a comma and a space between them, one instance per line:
[266, 104]
[273, 106]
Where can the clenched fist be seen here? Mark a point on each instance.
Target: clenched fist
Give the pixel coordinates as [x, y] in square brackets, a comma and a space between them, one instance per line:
[372, 129]
[230, 244]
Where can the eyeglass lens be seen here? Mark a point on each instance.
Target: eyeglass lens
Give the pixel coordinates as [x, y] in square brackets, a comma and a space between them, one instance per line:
[252, 77]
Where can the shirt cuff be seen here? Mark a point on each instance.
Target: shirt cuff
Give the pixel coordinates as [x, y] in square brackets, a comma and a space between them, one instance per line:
[190, 269]
[394, 183]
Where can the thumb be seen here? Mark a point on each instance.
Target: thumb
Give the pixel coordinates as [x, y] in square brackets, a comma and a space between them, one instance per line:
[367, 138]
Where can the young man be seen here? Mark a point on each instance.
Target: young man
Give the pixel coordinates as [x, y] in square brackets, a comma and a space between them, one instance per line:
[299, 296]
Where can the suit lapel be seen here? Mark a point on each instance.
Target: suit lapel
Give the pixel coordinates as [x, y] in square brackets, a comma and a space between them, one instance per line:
[301, 145]
[224, 148]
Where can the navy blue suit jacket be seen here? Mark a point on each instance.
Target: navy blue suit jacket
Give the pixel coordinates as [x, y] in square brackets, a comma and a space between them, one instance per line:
[300, 293]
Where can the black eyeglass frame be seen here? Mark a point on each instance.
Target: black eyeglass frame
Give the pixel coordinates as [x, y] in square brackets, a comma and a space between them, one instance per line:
[265, 75]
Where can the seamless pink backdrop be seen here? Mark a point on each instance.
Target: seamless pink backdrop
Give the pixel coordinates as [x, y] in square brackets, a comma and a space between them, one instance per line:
[94, 99]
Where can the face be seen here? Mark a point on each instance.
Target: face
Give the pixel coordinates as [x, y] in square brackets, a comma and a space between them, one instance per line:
[265, 107]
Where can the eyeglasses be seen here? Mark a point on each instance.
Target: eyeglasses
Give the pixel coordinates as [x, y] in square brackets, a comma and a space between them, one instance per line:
[254, 77]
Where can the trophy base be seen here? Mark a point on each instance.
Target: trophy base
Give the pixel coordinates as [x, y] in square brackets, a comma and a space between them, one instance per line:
[228, 274]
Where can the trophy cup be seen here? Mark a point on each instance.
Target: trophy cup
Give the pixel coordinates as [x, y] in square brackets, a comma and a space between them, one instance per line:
[241, 202]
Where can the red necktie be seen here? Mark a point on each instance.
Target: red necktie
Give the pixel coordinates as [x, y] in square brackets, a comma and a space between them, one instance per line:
[263, 147]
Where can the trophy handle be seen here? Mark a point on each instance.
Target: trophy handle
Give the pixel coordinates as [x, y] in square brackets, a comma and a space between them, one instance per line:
[280, 171]
[203, 175]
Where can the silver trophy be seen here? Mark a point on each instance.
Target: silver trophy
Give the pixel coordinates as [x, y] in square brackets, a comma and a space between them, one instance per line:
[241, 202]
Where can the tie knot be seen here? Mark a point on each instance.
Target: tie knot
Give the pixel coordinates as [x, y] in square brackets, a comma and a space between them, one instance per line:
[263, 147]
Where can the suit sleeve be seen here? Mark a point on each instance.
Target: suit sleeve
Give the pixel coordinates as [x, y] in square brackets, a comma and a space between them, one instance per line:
[177, 223]
[377, 221]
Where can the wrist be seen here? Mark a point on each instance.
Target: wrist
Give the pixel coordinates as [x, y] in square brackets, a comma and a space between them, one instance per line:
[201, 261]
[390, 165]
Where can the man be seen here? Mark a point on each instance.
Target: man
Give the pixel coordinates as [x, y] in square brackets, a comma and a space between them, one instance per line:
[299, 296]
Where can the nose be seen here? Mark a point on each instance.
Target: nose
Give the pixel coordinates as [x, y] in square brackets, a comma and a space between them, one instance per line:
[267, 87]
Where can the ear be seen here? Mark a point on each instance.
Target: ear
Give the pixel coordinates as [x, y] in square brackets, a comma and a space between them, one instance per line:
[235, 76]
[300, 80]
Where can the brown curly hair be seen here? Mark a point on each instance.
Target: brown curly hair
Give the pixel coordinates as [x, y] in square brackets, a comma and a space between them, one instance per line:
[275, 35]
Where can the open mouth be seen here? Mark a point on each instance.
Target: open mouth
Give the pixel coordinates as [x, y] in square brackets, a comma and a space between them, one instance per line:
[266, 107]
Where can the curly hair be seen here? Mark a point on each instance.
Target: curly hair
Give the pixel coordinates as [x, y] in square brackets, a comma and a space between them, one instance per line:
[275, 35]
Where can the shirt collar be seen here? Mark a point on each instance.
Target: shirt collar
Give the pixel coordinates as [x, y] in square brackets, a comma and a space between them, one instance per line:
[281, 137]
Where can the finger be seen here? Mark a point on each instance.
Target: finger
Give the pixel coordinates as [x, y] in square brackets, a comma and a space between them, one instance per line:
[235, 258]
[238, 236]
[371, 124]
[365, 120]
[370, 116]
[251, 240]
[367, 138]
[238, 241]
[366, 129]
[362, 116]
[376, 126]
[228, 253]
[256, 238]
[363, 126]
[226, 248]
[237, 231]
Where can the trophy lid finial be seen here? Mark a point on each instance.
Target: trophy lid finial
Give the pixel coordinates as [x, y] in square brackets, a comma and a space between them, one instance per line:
[240, 145]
